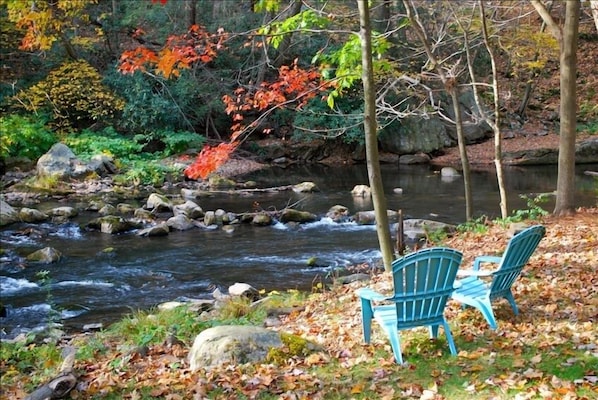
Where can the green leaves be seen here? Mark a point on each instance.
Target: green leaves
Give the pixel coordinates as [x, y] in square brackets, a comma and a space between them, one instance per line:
[304, 21]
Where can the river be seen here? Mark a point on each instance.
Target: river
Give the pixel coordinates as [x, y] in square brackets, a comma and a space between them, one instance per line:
[92, 285]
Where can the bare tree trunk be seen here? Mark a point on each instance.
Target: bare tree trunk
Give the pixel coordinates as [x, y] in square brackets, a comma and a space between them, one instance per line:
[371, 136]
[451, 86]
[594, 7]
[565, 188]
[191, 6]
[283, 57]
[567, 37]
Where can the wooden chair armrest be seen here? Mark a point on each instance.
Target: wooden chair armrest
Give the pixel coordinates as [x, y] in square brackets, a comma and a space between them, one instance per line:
[372, 295]
[485, 259]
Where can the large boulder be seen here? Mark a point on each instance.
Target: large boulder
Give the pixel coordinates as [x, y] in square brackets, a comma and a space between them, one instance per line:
[60, 161]
[47, 255]
[415, 135]
[232, 344]
[111, 224]
[32, 215]
[8, 214]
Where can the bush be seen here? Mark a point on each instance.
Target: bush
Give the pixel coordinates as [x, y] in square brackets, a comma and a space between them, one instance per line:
[73, 95]
[23, 137]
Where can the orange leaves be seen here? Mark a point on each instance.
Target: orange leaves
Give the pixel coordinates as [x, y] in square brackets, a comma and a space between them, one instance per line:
[295, 85]
[179, 52]
[209, 159]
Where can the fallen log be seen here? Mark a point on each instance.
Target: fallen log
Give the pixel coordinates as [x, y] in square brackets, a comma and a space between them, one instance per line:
[591, 173]
[61, 385]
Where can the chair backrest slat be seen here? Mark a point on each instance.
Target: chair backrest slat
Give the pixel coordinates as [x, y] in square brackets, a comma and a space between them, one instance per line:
[423, 282]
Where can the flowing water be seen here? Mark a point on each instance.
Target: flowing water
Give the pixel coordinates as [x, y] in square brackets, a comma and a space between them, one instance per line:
[91, 285]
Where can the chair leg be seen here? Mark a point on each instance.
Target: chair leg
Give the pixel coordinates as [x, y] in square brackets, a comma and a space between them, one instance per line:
[433, 331]
[486, 308]
[395, 342]
[367, 313]
[511, 299]
[449, 338]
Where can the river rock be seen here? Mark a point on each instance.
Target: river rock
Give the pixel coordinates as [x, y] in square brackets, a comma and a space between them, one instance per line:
[292, 215]
[154, 231]
[242, 289]
[338, 213]
[8, 214]
[60, 161]
[143, 214]
[32, 215]
[415, 228]
[406, 136]
[449, 172]
[47, 255]
[180, 223]
[369, 217]
[238, 344]
[219, 182]
[124, 208]
[361, 191]
[189, 209]
[305, 187]
[158, 203]
[111, 224]
[586, 152]
[107, 209]
[209, 218]
[102, 165]
[65, 211]
[262, 219]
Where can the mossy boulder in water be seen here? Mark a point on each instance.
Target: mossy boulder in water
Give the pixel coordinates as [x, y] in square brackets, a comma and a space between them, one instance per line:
[111, 224]
[8, 215]
[47, 255]
[292, 215]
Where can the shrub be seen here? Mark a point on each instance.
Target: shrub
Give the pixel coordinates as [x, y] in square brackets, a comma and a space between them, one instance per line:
[23, 137]
[73, 94]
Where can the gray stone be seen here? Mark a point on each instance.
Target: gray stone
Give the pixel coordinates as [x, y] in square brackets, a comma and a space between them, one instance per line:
[361, 191]
[449, 172]
[111, 224]
[419, 158]
[188, 208]
[32, 215]
[232, 344]
[8, 214]
[47, 255]
[292, 215]
[68, 212]
[262, 219]
[338, 213]
[154, 231]
[158, 203]
[369, 217]
[180, 223]
[59, 160]
[305, 187]
[406, 136]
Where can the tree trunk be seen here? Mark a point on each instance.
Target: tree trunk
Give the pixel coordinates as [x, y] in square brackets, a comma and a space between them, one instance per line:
[567, 37]
[565, 189]
[594, 7]
[283, 49]
[191, 6]
[504, 209]
[371, 137]
[451, 86]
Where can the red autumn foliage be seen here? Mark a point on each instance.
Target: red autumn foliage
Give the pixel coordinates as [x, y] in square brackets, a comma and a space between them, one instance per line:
[294, 86]
[179, 52]
[209, 159]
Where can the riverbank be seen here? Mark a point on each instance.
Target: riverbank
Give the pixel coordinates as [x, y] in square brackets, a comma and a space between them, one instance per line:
[549, 350]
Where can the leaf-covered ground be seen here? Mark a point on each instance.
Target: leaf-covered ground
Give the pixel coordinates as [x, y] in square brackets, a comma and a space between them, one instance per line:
[549, 351]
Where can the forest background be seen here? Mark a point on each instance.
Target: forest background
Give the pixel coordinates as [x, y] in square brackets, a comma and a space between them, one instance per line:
[103, 76]
[145, 80]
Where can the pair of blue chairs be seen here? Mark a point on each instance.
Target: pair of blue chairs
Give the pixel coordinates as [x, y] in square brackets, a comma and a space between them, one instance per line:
[424, 281]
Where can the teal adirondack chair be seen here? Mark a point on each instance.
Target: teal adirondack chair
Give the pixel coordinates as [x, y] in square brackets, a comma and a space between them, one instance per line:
[423, 283]
[475, 291]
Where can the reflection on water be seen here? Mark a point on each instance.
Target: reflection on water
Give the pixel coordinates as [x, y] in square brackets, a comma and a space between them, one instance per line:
[91, 284]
